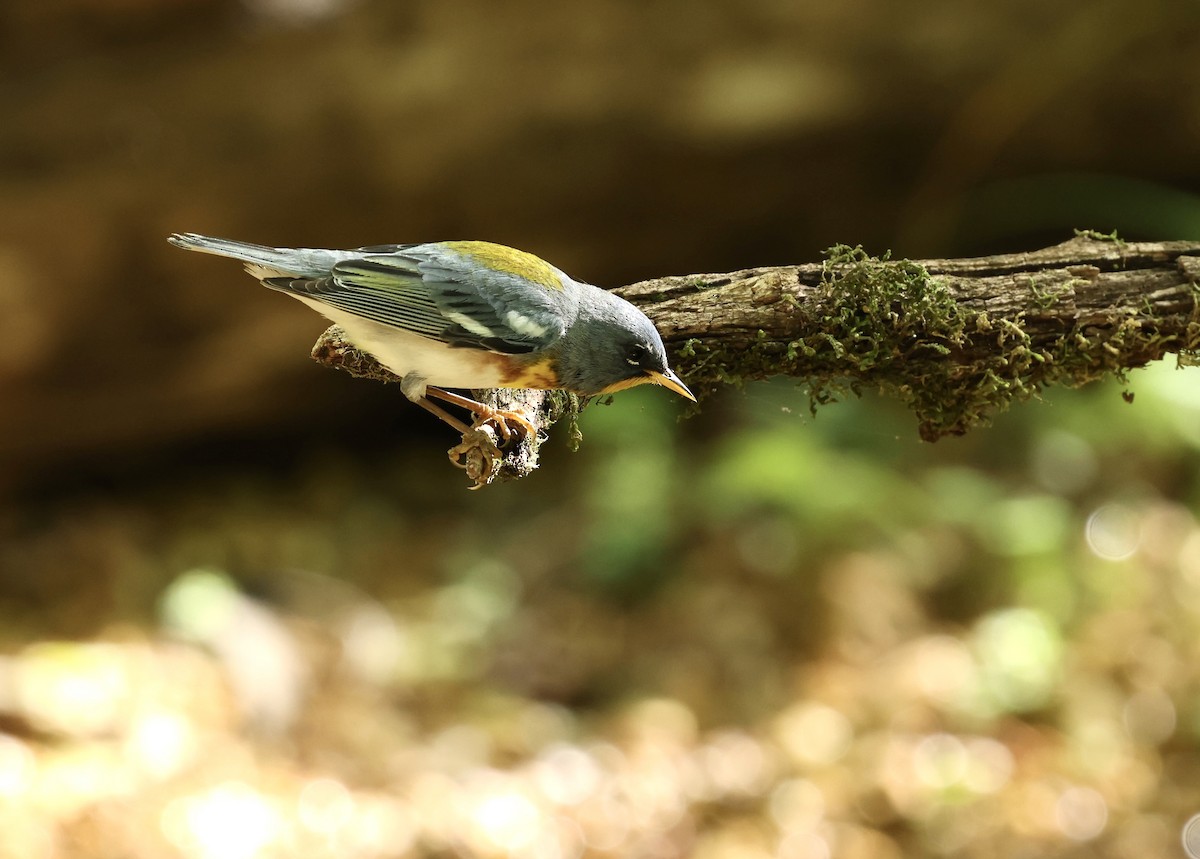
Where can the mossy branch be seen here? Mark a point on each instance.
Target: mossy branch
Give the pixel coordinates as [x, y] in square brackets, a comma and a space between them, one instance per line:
[958, 340]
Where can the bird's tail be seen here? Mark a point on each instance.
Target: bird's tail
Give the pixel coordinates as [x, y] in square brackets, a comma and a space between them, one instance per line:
[262, 261]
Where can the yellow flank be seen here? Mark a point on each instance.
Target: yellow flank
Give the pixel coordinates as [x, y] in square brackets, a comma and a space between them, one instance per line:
[509, 261]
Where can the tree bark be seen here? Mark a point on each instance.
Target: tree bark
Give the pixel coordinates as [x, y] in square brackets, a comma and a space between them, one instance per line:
[958, 340]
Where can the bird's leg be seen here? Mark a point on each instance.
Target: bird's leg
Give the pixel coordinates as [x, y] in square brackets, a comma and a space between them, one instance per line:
[477, 454]
[484, 413]
[443, 414]
[415, 389]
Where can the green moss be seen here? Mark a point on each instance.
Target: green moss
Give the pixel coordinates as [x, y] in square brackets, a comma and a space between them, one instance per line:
[1188, 354]
[882, 320]
[1049, 290]
[1098, 236]
[567, 406]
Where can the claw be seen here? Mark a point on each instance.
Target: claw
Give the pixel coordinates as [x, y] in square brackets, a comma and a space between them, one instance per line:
[477, 455]
[479, 452]
[501, 418]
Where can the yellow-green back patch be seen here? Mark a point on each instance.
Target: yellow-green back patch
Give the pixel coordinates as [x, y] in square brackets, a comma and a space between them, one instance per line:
[510, 261]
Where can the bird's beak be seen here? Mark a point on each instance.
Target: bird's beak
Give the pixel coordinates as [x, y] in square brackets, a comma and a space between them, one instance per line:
[668, 379]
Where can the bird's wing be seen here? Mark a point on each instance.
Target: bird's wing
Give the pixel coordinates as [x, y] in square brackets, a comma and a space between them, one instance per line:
[433, 297]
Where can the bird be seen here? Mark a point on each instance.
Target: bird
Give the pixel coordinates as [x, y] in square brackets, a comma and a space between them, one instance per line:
[466, 315]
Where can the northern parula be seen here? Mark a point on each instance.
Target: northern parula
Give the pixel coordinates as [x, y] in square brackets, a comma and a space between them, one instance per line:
[466, 314]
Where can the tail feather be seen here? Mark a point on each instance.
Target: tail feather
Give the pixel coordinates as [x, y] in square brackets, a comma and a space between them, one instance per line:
[263, 261]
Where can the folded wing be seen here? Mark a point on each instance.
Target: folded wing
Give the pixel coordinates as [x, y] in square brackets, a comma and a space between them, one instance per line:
[407, 289]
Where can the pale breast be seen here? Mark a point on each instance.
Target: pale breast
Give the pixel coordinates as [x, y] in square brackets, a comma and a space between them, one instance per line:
[405, 353]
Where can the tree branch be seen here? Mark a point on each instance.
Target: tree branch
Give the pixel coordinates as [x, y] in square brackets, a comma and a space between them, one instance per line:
[958, 340]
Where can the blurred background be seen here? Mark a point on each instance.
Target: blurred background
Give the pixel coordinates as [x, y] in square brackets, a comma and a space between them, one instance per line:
[248, 610]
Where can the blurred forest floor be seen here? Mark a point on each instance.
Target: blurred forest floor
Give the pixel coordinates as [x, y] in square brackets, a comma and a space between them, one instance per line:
[799, 638]
[248, 610]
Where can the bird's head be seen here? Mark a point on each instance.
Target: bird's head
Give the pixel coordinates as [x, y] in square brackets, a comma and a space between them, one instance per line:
[613, 346]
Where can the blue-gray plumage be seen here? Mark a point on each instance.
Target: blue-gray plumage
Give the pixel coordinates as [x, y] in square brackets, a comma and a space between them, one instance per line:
[465, 315]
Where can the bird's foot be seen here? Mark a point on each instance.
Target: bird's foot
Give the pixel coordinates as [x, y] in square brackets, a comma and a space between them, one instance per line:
[477, 454]
[501, 418]
[483, 443]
